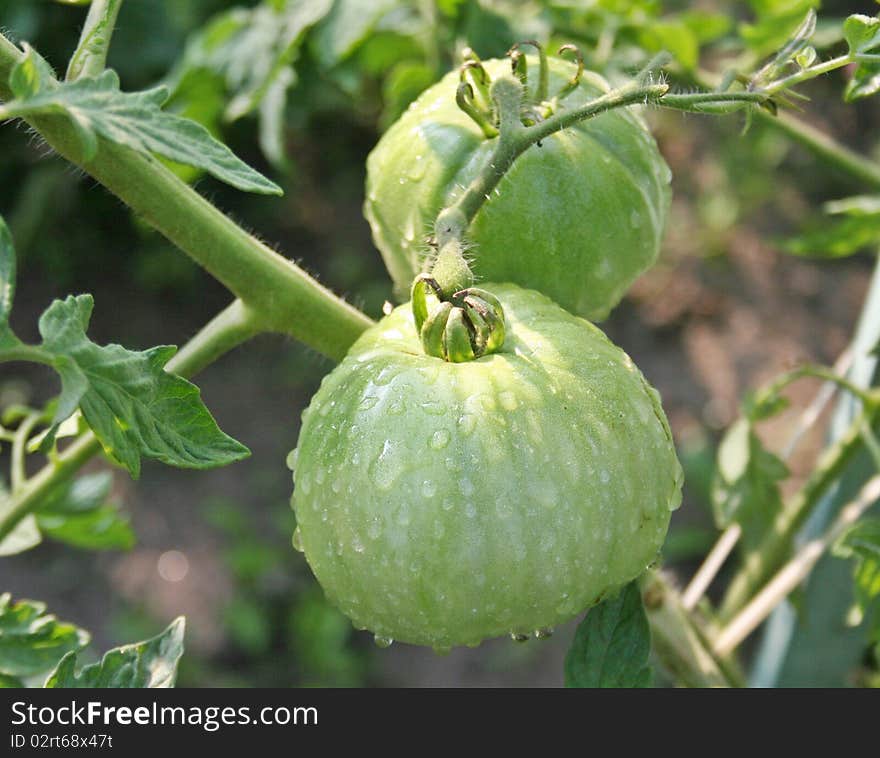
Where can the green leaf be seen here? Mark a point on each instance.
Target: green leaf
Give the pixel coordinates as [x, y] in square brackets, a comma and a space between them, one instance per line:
[612, 644]
[346, 26]
[862, 544]
[134, 407]
[148, 664]
[789, 52]
[746, 486]
[7, 286]
[837, 239]
[80, 515]
[97, 107]
[32, 75]
[676, 37]
[779, 23]
[864, 83]
[10, 682]
[24, 536]
[32, 641]
[862, 33]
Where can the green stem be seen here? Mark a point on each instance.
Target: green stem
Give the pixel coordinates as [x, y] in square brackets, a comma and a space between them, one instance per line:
[230, 328]
[823, 146]
[27, 353]
[773, 549]
[678, 642]
[287, 299]
[19, 450]
[808, 73]
[515, 139]
[90, 56]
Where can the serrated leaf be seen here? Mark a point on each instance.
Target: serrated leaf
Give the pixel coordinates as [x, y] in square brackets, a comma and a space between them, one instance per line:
[746, 485]
[97, 107]
[862, 33]
[862, 544]
[836, 239]
[80, 515]
[131, 403]
[612, 644]
[148, 664]
[32, 641]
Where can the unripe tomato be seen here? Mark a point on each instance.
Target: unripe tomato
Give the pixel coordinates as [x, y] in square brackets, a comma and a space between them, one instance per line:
[444, 503]
[578, 217]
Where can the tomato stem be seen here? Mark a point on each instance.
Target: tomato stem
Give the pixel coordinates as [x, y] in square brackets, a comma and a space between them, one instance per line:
[90, 56]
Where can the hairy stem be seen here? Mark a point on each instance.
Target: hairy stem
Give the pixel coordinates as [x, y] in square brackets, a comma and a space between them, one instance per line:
[230, 328]
[793, 573]
[90, 56]
[287, 299]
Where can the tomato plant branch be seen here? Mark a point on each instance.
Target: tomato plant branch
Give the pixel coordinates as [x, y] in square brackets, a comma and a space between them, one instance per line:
[793, 573]
[771, 552]
[18, 473]
[729, 538]
[678, 642]
[231, 327]
[287, 299]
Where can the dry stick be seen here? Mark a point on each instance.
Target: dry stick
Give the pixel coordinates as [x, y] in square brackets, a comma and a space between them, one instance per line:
[729, 538]
[793, 573]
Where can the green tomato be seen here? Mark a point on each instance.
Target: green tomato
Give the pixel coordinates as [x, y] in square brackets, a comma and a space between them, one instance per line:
[577, 218]
[445, 503]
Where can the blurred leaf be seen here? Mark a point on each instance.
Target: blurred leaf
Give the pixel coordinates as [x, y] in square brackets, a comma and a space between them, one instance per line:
[346, 26]
[148, 664]
[864, 83]
[706, 26]
[776, 25]
[32, 641]
[79, 515]
[837, 239]
[10, 682]
[788, 53]
[862, 544]
[612, 644]
[746, 488]
[759, 406]
[858, 205]
[97, 107]
[32, 75]
[23, 537]
[674, 36]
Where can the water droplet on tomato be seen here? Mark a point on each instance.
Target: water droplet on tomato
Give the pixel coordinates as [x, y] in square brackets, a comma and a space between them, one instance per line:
[292, 458]
[381, 641]
[297, 540]
[508, 401]
[439, 439]
[544, 634]
[368, 402]
[387, 467]
[517, 637]
[429, 489]
[467, 423]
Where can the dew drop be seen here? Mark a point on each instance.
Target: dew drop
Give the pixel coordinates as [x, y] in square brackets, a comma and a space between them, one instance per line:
[374, 529]
[635, 219]
[297, 540]
[544, 634]
[429, 489]
[292, 458]
[517, 637]
[466, 487]
[357, 545]
[368, 402]
[504, 509]
[434, 408]
[381, 641]
[387, 467]
[470, 510]
[320, 475]
[467, 423]
[488, 402]
[439, 439]
[447, 505]
[604, 476]
[304, 485]
[397, 407]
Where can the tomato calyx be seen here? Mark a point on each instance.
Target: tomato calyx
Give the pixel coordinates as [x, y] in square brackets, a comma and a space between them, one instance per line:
[458, 327]
[474, 94]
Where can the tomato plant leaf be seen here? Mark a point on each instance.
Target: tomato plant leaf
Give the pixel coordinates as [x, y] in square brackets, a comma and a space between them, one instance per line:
[837, 239]
[7, 286]
[861, 543]
[779, 26]
[97, 107]
[148, 664]
[746, 485]
[10, 682]
[346, 26]
[127, 398]
[80, 515]
[862, 33]
[612, 644]
[32, 641]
